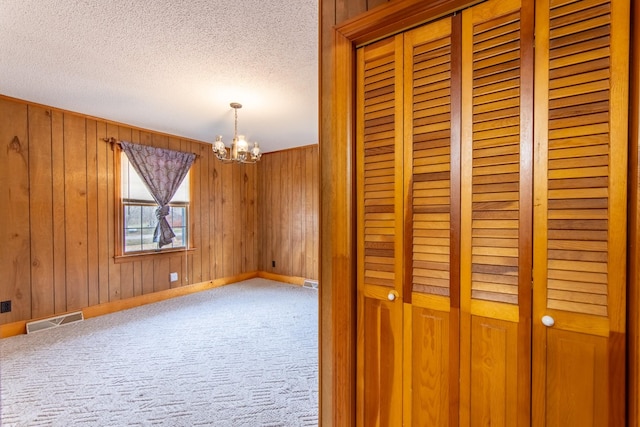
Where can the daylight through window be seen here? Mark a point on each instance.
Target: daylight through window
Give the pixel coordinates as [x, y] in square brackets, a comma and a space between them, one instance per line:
[139, 218]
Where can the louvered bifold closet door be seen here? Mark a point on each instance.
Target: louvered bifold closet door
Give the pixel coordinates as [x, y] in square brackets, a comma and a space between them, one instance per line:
[496, 181]
[432, 162]
[580, 214]
[380, 230]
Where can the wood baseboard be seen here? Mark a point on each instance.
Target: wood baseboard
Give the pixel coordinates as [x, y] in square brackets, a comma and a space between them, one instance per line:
[294, 280]
[20, 327]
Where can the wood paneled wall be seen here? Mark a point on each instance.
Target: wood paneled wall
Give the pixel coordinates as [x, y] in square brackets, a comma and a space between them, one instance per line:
[57, 175]
[288, 212]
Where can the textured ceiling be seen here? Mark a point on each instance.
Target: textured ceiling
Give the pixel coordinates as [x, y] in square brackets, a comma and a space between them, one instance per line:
[170, 66]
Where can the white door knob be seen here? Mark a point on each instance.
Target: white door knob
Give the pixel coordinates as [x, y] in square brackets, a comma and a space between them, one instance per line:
[548, 321]
[392, 295]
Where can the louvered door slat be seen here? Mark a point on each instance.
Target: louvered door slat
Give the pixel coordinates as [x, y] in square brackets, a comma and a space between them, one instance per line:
[495, 168]
[431, 127]
[379, 176]
[581, 171]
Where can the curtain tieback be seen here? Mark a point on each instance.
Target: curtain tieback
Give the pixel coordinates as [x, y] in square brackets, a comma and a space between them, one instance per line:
[161, 212]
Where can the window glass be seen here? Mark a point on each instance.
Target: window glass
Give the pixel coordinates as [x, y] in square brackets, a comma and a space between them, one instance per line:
[139, 217]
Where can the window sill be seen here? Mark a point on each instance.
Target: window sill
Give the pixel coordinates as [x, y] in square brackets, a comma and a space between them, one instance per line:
[143, 256]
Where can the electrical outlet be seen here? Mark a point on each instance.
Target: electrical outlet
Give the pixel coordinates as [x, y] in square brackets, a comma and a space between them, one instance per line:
[5, 306]
[173, 277]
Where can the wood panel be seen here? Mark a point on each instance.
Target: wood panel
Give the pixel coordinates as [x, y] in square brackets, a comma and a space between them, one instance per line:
[114, 192]
[41, 232]
[287, 194]
[580, 198]
[578, 158]
[495, 181]
[126, 269]
[93, 144]
[195, 213]
[428, 348]
[577, 367]
[379, 154]
[216, 222]
[381, 334]
[380, 232]
[496, 206]
[103, 235]
[432, 237]
[494, 372]
[14, 176]
[633, 284]
[61, 172]
[58, 214]
[428, 90]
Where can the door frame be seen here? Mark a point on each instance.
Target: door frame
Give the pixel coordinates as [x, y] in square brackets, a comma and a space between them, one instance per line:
[633, 283]
[337, 193]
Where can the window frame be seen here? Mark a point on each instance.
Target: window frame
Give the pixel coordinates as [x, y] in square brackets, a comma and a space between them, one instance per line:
[119, 223]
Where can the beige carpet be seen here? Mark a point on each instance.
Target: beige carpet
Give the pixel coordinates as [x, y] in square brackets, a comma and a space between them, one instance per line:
[241, 355]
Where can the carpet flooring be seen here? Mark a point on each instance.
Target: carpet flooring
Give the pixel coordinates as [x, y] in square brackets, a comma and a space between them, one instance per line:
[240, 355]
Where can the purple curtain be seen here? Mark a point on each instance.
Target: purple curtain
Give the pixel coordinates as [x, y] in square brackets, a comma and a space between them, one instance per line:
[162, 171]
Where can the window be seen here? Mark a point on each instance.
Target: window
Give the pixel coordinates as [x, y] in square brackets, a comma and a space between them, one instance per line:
[139, 217]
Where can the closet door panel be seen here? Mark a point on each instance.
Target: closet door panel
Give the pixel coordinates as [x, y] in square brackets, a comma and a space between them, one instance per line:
[496, 180]
[379, 236]
[580, 199]
[574, 369]
[493, 372]
[427, 348]
[431, 172]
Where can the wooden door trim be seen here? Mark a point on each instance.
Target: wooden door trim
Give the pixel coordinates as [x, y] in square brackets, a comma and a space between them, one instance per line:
[633, 284]
[397, 16]
[337, 180]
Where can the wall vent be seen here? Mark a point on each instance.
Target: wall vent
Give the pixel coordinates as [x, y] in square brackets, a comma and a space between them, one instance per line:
[311, 284]
[53, 322]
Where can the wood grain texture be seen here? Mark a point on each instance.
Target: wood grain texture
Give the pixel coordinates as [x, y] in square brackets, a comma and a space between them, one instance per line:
[496, 182]
[381, 342]
[380, 218]
[580, 197]
[287, 222]
[58, 214]
[14, 176]
[576, 367]
[41, 180]
[569, 165]
[633, 284]
[93, 144]
[429, 375]
[428, 160]
[494, 373]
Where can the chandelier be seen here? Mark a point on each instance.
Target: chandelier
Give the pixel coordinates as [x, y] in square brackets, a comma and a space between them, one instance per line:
[239, 151]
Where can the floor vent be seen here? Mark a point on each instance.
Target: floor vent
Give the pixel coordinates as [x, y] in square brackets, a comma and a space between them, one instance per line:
[53, 322]
[311, 284]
